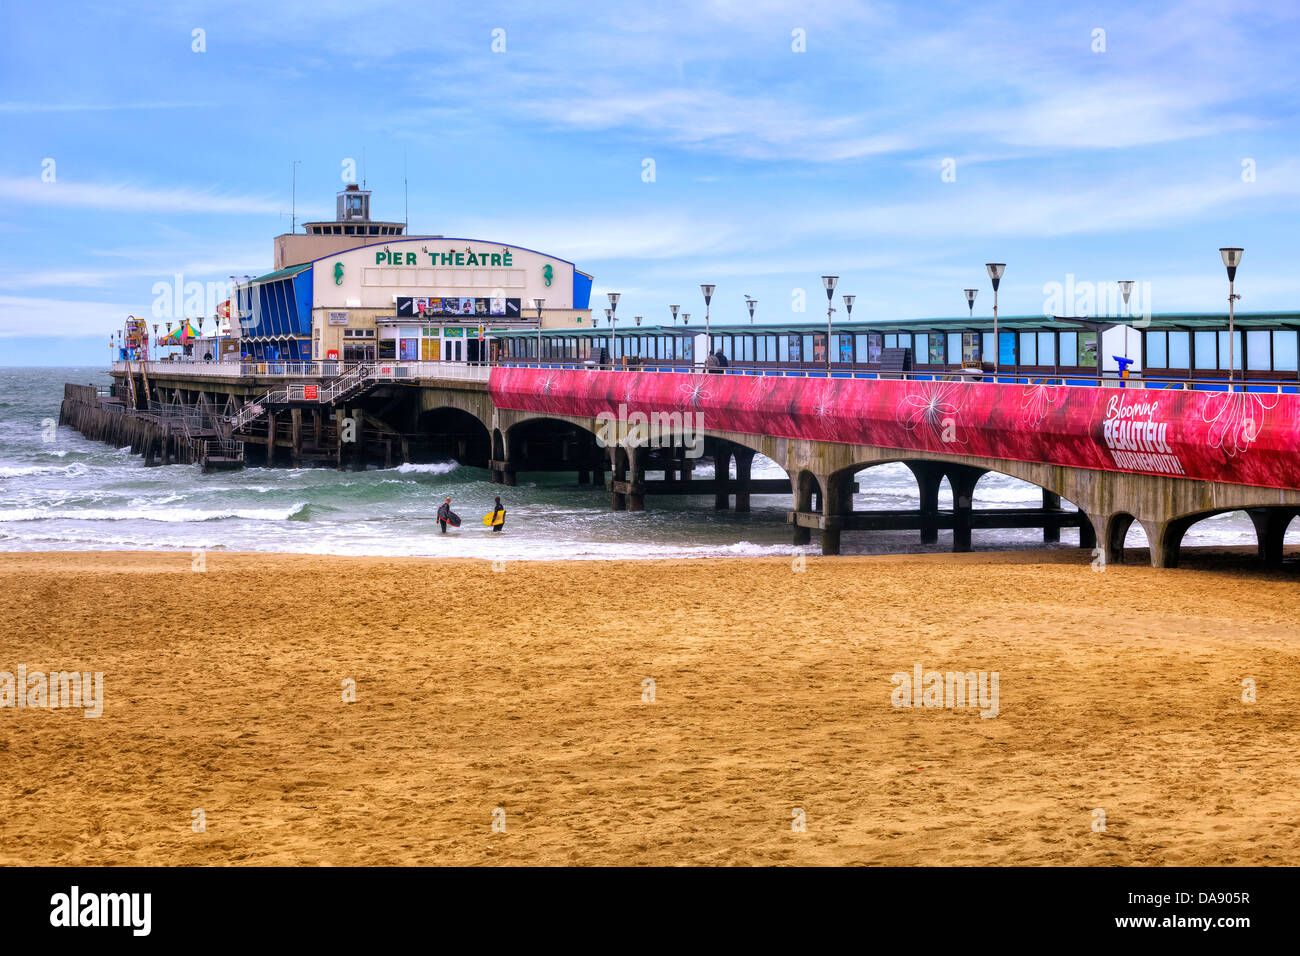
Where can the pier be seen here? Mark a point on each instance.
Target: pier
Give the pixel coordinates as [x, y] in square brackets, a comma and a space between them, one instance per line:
[1200, 453]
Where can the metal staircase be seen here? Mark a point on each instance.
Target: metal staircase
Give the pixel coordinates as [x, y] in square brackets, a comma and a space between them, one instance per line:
[351, 382]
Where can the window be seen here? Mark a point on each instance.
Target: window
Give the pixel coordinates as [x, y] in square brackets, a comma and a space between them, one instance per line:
[954, 348]
[1157, 345]
[1069, 342]
[1235, 350]
[1046, 348]
[749, 348]
[891, 341]
[986, 348]
[936, 348]
[1259, 353]
[1179, 350]
[1028, 348]
[1206, 350]
[1284, 352]
[920, 348]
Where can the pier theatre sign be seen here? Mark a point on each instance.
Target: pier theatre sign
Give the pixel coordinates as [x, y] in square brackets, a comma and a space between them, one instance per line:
[467, 258]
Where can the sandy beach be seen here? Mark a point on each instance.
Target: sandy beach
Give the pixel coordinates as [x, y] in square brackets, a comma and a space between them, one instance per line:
[519, 695]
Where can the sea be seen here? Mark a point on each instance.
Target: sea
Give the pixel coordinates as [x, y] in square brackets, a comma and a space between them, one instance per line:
[60, 491]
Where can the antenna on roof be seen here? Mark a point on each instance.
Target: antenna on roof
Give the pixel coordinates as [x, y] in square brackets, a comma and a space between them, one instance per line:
[294, 221]
[406, 195]
[363, 167]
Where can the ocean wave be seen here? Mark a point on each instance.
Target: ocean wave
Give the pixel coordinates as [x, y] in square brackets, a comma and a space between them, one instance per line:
[74, 470]
[299, 511]
[432, 468]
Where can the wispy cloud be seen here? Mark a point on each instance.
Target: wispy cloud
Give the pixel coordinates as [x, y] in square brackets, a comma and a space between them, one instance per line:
[133, 198]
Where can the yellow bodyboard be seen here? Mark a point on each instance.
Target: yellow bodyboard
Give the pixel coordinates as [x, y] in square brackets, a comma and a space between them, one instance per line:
[500, 516]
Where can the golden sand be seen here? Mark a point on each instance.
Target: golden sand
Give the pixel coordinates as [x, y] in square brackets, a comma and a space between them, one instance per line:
[523, 690]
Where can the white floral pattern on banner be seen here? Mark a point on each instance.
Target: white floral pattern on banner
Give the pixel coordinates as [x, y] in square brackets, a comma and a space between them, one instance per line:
[935, 405]
[695, 391]
[1037, 400]
[1235, 419]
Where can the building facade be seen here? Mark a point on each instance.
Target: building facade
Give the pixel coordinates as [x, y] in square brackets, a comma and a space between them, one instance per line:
[370, 293]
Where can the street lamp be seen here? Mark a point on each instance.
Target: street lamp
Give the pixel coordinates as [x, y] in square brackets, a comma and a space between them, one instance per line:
[751, 302]
[708, 297]
[829, 283]
[995, 273]
[537, 304]
[686, 318]
[673, 309]
[970, 299]
[613, 321]
[1126, 289]
[1231, 259]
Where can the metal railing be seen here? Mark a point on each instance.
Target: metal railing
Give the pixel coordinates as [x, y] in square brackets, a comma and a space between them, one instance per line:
[231, 449]
[1106, 380]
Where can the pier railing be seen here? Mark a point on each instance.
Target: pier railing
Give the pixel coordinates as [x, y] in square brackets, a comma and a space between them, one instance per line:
[1106, 380]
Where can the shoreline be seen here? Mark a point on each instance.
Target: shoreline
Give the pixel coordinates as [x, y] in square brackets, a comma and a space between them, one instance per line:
[525, 690]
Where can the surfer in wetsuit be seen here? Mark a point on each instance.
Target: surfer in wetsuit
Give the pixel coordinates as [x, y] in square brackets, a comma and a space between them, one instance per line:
[498, 509]
[444, 513]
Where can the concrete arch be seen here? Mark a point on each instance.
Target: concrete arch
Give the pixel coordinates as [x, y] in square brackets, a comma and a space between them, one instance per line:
[548, 444]
[456, 433]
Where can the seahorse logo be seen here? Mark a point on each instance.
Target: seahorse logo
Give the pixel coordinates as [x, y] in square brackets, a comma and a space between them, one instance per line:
[548, 273]
[338, 273]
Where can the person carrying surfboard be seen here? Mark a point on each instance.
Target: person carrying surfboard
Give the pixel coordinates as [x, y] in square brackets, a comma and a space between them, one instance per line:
[444, 515]
[498, 516]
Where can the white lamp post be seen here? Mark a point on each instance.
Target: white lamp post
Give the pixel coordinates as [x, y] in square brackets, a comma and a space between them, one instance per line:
[673, 309]
[829, 283]
[996, 269]
[1231, 259]
[970, 299]
[613, 322]
[751, 302]
[708, 297]
[537, 304]
[1126, 289]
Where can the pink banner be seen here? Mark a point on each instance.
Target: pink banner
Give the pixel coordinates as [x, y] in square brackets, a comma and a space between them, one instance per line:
[1249, 438]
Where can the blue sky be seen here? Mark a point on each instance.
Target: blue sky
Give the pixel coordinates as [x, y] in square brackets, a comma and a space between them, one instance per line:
[771, 166]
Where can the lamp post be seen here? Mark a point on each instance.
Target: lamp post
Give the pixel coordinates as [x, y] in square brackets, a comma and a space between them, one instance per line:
[1231, 259]
[708, 297]
[673, 309]
[537, 304]
[995, 273]
[751, 302]
[848, 306]
[1126, 289]
[829, 283]
[970, 300]
[686, 318]
[613, 321]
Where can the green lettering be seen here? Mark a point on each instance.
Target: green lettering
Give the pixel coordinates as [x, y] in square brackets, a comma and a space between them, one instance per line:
[379, 257]
[496, 258]
[471, 260]
[507, 259]
[447, 259]
[460, 258]
[410, 258]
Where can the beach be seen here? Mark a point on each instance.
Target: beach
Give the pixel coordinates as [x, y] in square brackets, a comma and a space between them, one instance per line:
[711, 711]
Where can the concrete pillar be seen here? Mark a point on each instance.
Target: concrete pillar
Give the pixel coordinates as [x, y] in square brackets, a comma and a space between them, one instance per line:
[929, 475]
[803, 486]
[962, 479]
[1165, 538]
[1051, 502]
[1087, 533]
[270, 438]
[636, 475]
[837, 505]
[339, 416]
[1112, 528]
[721, 472]
[618, 472]
[1270, 530]
[584, 476]
[295, 430]
[744, 469]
